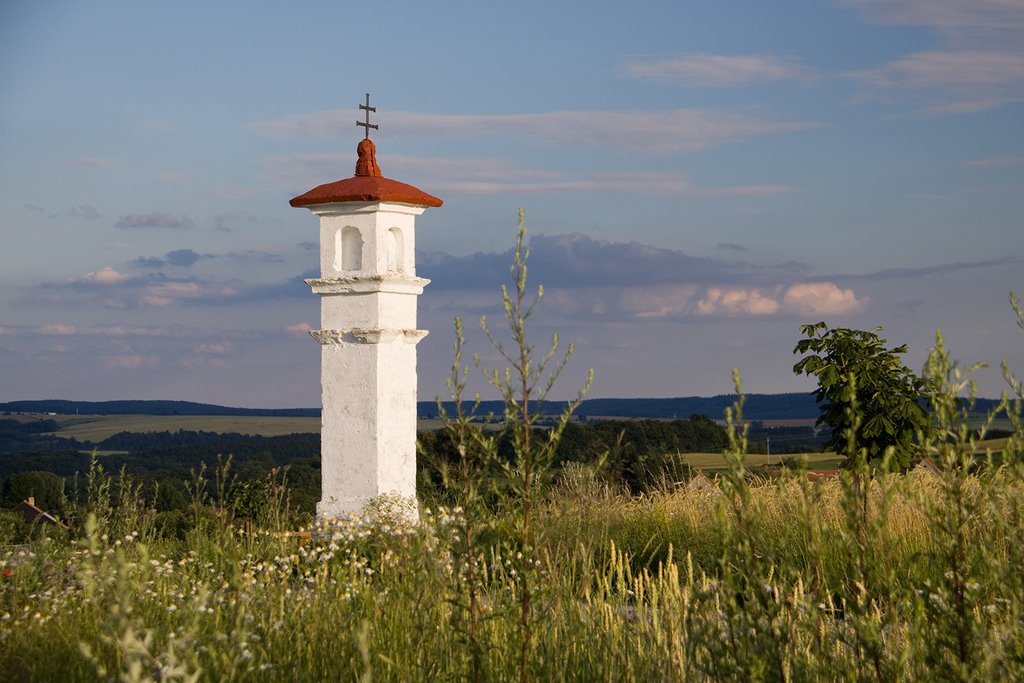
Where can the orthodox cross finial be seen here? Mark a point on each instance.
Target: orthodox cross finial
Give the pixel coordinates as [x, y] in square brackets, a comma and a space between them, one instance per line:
[366, 124]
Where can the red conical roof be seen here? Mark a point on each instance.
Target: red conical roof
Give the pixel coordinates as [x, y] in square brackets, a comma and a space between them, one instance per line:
[368, 185]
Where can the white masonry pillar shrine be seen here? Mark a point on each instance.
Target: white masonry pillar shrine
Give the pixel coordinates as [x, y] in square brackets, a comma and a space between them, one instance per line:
[368, 336]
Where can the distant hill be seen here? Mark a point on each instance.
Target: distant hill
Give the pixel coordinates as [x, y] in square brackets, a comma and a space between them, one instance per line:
[63, 407]
[791, 406]
[794, 406]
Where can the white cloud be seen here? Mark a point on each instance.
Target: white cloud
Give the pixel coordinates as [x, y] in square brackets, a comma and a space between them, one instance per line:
[946, 15]
[820, 298]
[709, 69]
[105, 276]
[58, 329]
[806, 298]
[631, 302]
[664, 132]
[971, 105]
[165, 294]
[977, 65]
[738, 301]
[495, 176]
[668, 183]
[940, 68]
[62, 329]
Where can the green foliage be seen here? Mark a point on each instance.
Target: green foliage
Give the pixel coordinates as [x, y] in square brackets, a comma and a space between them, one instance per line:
[13, 528]
[46, 487]
[854, 368]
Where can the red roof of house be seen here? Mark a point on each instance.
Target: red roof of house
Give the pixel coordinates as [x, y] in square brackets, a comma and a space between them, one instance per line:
[367, 185]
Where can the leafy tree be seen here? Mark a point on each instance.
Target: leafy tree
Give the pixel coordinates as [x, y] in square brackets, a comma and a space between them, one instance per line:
[865, 394]
[45, 487]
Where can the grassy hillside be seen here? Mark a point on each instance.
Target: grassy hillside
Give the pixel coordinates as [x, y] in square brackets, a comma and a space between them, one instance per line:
[98, 427]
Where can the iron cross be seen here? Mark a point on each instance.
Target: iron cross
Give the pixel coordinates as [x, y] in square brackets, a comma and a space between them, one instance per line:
[366, 124]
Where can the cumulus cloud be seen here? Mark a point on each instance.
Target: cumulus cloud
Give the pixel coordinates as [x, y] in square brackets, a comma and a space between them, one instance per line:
[299, 328]
[594, 279]
[105, 276]
[665, 132]
[182, 257]
[113, 289]
[166, 293]
[820, 298]
[577, 260]
[733, 302]
[710, 69]
[156, 219]
[634, 302]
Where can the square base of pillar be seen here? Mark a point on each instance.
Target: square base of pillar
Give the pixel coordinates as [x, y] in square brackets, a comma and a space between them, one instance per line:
[385, 508]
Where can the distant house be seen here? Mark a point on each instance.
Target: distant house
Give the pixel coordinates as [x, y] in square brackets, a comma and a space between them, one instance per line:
[34, 515]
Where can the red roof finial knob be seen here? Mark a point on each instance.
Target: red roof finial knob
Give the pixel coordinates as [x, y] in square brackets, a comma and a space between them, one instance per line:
[366, 165]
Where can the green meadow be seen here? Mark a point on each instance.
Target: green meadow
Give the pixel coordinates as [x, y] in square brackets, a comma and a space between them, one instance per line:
[98, 427]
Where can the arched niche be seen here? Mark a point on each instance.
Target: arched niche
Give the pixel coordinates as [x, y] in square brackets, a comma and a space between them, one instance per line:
[348, 249]
[396, 251]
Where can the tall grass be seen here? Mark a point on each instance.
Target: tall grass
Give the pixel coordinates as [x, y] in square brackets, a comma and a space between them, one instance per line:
[673, 586]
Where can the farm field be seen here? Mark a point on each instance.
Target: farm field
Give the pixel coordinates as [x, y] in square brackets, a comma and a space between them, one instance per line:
[716, 461]
[99, 427]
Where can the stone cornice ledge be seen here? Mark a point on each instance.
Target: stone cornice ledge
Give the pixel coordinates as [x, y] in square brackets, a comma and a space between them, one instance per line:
[359, 335]
[368, 284]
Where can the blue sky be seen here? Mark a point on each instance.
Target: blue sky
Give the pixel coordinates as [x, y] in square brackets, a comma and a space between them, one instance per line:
[699, 179]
